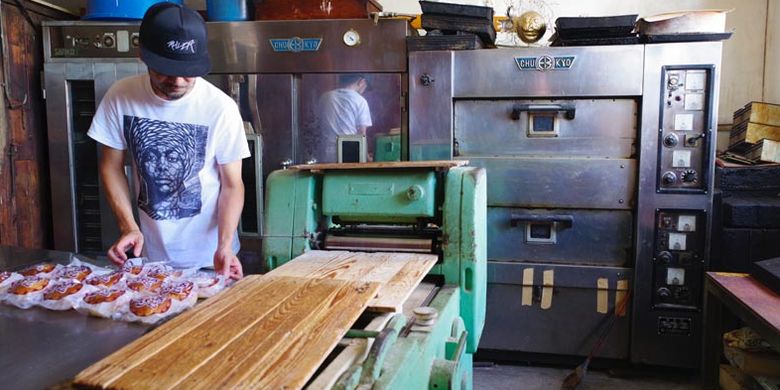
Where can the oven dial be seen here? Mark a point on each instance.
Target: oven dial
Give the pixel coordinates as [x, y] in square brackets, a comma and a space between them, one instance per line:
[669, 178]
[671, 140]
[663, 292]
[108, 41]
[351, 38]
[665, 257]
[689, 176]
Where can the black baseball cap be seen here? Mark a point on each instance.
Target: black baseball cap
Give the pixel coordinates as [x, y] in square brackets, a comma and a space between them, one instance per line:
[174, 41]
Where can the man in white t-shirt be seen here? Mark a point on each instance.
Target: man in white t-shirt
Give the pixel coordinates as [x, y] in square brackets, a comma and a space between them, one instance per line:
[344, 111]
[186, 140]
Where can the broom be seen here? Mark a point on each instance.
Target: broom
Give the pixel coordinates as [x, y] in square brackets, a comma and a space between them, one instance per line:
[575, 378]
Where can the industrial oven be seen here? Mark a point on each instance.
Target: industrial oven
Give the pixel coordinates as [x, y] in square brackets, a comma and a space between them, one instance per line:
[285, 67]
[599, 163]
[81, 61]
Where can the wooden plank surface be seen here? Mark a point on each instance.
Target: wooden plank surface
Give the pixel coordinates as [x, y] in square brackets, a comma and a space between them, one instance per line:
[756, 297]
[383, 164]
[399, 273]
[241, 337]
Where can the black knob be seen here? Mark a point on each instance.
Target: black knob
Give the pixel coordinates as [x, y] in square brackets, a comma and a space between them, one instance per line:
[670, 141]
[665, 257]
[108, 41]
[689, 176]
[135, 41]
[426, 79]
[663, 292]
[669, 178]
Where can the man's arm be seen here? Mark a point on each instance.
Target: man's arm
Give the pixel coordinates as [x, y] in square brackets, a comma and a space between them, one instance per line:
[229, 206]
[112, 164]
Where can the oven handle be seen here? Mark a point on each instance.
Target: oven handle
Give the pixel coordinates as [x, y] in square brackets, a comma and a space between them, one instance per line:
[565, 221]
[568, 109]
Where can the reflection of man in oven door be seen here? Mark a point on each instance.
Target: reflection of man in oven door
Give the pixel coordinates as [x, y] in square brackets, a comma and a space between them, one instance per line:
[344, 111]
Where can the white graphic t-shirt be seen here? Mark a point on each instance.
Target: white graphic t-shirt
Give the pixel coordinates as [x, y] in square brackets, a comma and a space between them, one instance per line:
[176, 148]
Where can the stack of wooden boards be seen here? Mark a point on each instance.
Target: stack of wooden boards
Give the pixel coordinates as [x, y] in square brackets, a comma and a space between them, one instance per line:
[755, 135]
[454, 27]
[270, 331]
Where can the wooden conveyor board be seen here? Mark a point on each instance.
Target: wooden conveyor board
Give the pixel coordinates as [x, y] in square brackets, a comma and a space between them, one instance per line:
[264, 332]
[398, 273]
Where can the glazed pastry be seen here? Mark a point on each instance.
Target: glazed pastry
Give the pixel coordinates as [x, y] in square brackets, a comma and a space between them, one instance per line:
[103, 295]
[62, 289]
[132, 268]
[144, 284]
[106, 280]
[78, 272]
[207, 282]
[178, 290]
[162, 273]
[4, 275]
[28, 285]
[43, 268]
[149, 305]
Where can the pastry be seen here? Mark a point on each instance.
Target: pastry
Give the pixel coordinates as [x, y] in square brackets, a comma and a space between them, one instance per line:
[178, 290]
[28, 285]
[149, 305]
[144, 284]
[160, 272]
[43, 268]
[4, 275]
[62, 289]
[207, 282]
[78, 272]
[132, 268]
[103, 295]
[106, 280]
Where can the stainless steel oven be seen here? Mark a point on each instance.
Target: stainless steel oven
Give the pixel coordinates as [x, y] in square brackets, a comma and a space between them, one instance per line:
[599, 163]
[81, 61]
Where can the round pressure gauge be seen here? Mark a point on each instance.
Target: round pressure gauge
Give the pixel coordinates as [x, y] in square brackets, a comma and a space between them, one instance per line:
[351, 38]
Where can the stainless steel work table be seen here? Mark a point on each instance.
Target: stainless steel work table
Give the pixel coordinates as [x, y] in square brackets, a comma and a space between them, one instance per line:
[41, 348]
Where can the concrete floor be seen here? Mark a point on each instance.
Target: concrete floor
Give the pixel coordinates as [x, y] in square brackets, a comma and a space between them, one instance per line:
[507, 377]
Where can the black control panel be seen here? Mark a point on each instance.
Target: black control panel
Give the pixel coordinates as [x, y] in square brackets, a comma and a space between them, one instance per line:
[678, 262]
[685, 130]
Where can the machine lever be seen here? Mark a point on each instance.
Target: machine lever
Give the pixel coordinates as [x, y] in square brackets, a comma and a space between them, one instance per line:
[568, 109]
[565, 220]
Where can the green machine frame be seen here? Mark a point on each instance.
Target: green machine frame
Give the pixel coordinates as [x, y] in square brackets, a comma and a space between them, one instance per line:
[303, 205]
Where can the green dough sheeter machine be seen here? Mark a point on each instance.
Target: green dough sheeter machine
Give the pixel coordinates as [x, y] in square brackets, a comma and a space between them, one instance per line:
[434, 207]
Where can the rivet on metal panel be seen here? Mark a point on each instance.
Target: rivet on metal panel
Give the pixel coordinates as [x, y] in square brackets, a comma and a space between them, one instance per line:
[426, 79]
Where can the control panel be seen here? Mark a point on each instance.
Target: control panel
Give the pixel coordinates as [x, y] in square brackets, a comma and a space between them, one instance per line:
[679, 257]
[94, 41]
[685, 132]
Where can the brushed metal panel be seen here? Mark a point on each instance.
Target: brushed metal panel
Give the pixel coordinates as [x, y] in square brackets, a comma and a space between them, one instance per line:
[595, 237]
[600, 128]
[559, 182]
[596, 71]
[245, 47]
[570, 326]
[430, 105]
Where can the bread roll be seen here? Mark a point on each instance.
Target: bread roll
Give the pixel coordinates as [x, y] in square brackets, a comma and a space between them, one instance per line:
[43, 268]
[105, 280]
[178, 290]
[62, 289]
[103, 295]
[28, 285]
[77, 272]
[145, 284]
[150, 305]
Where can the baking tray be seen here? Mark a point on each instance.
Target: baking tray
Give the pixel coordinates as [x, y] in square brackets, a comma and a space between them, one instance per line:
[595, 27]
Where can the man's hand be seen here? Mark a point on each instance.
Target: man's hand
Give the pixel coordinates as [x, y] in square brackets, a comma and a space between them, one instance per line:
[226, 263]
[133, 239]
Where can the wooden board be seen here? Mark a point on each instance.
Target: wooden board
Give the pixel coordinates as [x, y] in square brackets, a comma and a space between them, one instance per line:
[758, 298]
[398, 273]
[265, 331]
[383, 164]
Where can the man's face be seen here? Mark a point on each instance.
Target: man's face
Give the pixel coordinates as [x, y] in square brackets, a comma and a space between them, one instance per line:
[170, 87]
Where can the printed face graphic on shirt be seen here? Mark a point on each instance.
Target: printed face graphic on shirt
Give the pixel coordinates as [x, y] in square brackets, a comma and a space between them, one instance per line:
[168, 156]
